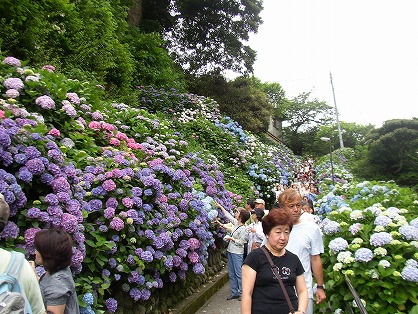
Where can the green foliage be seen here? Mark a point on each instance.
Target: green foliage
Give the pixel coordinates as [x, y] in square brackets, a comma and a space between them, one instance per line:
[152, 64]
[358, 217]
[242, 99]
[391, 153]
[304, 116]
[206, 35]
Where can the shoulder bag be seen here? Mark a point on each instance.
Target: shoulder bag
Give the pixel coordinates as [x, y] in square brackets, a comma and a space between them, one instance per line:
[274, 269]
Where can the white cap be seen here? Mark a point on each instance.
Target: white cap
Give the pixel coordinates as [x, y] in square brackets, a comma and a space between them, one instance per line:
[260, 201]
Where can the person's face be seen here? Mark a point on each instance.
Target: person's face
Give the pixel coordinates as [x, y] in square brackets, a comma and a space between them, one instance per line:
[259, 205]
[295, 208]
[306, 209]
[237, 213]
[278, 237]
[38, 258]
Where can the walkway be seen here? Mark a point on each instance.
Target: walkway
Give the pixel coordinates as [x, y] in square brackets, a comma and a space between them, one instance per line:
[210, 298]
[219, 304]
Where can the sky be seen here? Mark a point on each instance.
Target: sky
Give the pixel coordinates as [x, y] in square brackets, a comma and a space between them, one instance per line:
[369, 46]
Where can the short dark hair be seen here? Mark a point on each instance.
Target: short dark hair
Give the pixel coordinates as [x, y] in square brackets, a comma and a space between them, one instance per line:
[55, 247]
[250, 201]
[244, 215]
[276, 217]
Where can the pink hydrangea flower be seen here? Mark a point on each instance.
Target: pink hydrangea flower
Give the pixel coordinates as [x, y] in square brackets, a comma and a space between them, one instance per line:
[121, 136]
[54, 132]
[45, 102]
[94, 125]
[2, 116]
[49, 68]
[114, 141]
[73, 97]
[108, 127]
[12, 93]
[13, 83]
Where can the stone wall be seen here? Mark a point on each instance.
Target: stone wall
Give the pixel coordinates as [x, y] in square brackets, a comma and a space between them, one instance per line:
[163, 300]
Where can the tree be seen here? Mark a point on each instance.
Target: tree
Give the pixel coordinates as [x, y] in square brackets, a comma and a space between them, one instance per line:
[304, 116]
[203, 35]
[393, 151]
[277, 98]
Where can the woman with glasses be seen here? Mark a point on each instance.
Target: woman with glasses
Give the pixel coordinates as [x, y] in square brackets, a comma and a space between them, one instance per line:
[236, 240]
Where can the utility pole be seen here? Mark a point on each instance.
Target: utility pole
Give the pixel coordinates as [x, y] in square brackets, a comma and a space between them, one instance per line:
[336, 114]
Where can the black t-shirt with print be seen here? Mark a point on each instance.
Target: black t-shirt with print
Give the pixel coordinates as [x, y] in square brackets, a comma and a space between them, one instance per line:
[267, 294]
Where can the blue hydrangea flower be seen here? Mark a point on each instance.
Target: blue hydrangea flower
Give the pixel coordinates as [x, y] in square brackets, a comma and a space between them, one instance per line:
[410, 273]
[363, 255]
[338, 244]
[380, 239]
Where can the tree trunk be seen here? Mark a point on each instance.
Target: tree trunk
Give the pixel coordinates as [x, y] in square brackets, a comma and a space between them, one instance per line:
[135, 13]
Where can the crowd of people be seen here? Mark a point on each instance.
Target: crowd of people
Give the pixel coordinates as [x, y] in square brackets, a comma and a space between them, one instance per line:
[286, 235]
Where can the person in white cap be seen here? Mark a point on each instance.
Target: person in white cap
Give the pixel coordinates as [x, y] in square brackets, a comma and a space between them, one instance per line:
[27, 278]
[260, 203]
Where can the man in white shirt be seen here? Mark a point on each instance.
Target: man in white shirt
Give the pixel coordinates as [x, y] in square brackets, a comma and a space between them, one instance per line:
[306, 242]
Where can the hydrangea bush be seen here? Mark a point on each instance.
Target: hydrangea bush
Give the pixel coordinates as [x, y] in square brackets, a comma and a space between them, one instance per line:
[371, 237]
[133, 188]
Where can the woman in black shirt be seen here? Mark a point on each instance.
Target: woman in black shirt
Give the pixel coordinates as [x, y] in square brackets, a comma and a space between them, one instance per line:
[261, 289]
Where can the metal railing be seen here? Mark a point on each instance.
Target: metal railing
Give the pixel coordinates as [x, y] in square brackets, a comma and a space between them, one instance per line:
[356, 297]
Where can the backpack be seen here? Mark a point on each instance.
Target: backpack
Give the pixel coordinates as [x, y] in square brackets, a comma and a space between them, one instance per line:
[12, 297]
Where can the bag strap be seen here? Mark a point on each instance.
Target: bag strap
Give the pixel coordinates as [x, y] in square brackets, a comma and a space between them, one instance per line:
[13, 268]
[232, 233]
[274, 269]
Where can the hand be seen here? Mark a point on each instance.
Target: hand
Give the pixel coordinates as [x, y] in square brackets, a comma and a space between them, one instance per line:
[320, 295]
[32, 264]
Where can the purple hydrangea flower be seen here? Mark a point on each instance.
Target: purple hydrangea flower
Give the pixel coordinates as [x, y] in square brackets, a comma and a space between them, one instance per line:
[135, 294]
[127, 202]
[117, 224]
[198, 269]
[355, 228]
[147, 256]
[35, 166]
[69, 222]
[193, 257]
[109, 213]
[12, 93]
[11, 230]
[111, 305]
[109, 185]
[194, 243]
